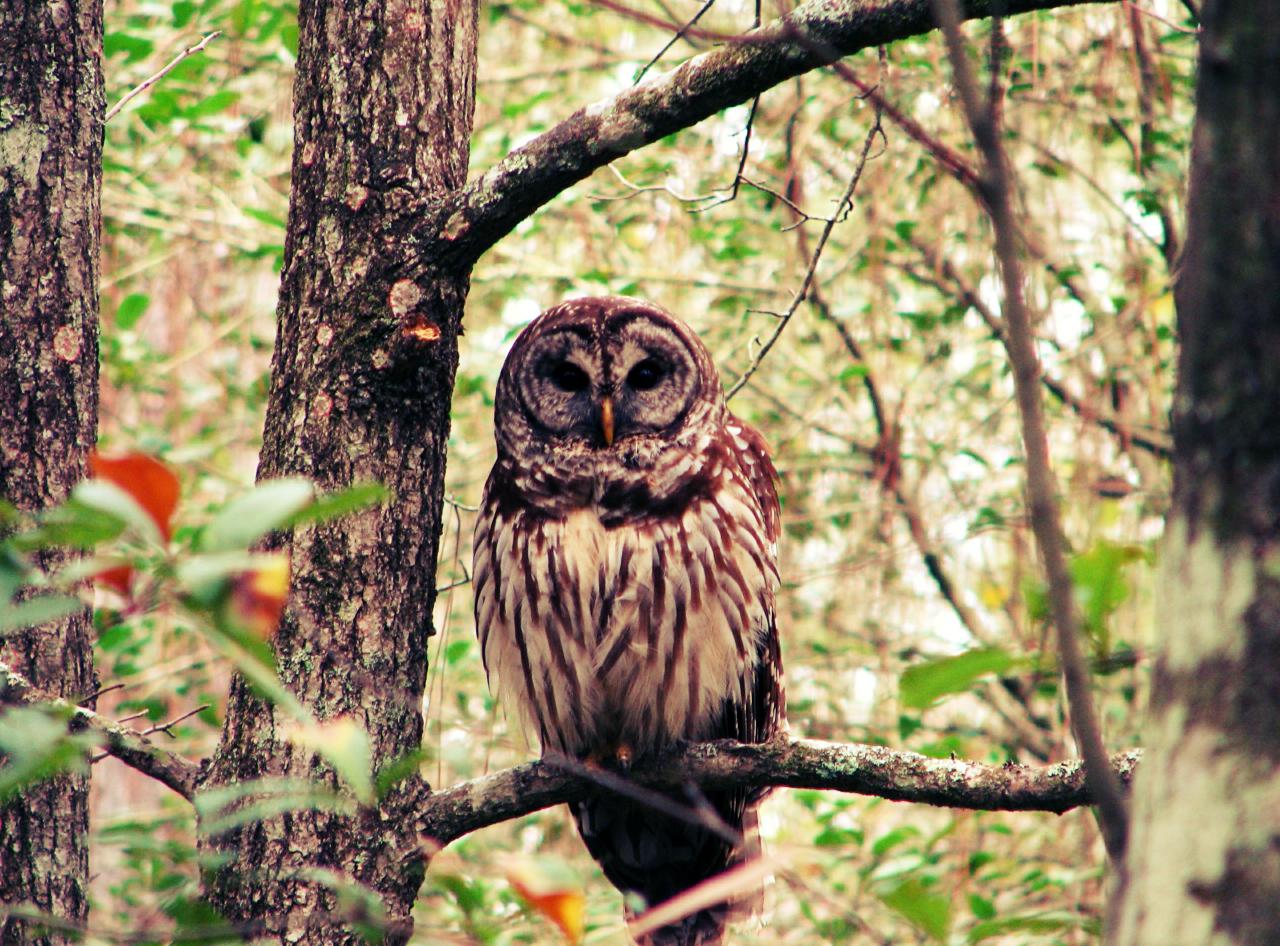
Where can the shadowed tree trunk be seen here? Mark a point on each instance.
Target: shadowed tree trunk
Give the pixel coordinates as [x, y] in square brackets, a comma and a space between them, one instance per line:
[1204, 864]
[51, 109]
[361, 385]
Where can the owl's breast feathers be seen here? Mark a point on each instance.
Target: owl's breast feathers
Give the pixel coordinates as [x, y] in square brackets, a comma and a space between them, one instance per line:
[622, 612]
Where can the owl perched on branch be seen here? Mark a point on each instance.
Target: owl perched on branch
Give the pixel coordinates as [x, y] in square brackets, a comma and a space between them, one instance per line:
[625, 575]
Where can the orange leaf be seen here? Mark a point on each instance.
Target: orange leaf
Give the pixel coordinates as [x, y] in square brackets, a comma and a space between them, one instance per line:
[548, 887]
[258, 596]
[151, 484]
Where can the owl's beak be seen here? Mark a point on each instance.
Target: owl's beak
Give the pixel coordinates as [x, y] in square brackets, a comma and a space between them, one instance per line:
[606, 419]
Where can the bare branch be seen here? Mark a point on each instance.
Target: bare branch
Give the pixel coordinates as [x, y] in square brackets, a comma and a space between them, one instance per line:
[153, 79]
[129, 746]
[815, 34]
[447, 815]
[1041, 486]
[802, 293]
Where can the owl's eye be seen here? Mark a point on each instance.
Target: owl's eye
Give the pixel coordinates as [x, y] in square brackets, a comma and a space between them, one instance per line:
[646, 375]
[568, 377]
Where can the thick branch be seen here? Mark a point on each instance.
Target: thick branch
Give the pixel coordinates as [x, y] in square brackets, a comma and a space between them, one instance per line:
[127, 745]
[447, 815]
[815, 34]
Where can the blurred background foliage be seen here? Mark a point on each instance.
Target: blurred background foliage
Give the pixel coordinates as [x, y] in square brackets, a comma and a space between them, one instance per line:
[913, 614]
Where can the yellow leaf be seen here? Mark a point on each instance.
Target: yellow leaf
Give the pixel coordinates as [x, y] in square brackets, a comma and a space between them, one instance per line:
[992, 595]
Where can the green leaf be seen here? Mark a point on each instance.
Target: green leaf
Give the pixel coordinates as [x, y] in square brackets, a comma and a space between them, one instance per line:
[341, 503]
[74, 525]
[131, 308]
[33, 611]
[108, 498]
[196, 922]
[218, 102]
[133, 47]
[269, 505]
[1035, 923]
[231, 806]
[345, 745]
[892, 839]
[37, 746]
[399, 769]
[205, 577]
[925, 909]
[263, 216]
[924, 683]
[1101, 587]
[981, 907]
[456, 651]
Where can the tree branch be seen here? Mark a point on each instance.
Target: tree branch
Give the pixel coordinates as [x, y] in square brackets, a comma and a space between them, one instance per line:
[447, 815]
[459, 230]
[1042, 488]
[129, 746]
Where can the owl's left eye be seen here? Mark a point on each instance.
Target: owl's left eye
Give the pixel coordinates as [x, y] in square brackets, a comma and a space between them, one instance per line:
[646, 375]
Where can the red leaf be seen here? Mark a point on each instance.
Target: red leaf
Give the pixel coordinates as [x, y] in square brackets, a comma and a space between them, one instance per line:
[118, 578]
[152, 484]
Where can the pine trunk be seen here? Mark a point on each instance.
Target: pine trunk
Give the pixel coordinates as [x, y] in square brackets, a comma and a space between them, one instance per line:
[1204, 862]
[362, 381]
[51, 110]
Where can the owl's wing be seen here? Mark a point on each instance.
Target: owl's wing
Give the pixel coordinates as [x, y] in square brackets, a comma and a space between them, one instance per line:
[753, 459]
[760, 712]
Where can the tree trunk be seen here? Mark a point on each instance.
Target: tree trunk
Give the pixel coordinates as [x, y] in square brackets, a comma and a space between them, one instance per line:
[362, 381]
[1204, 863]
[51, 110]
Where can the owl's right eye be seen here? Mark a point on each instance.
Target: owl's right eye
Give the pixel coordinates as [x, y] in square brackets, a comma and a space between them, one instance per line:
[568, 377]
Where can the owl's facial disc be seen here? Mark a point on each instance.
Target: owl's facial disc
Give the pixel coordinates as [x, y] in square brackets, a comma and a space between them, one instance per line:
[652, 374]
[594, 379]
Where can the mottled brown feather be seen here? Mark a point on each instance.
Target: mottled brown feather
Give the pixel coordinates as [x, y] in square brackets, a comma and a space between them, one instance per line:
[625, 592]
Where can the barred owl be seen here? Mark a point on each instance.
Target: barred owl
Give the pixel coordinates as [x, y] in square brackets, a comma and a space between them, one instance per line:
[625, 573]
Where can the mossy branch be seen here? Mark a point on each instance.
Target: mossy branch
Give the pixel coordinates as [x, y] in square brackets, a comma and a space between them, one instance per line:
[128, 745]
[447, 815]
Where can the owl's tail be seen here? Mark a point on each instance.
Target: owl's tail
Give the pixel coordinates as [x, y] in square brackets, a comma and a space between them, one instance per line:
[658, 857]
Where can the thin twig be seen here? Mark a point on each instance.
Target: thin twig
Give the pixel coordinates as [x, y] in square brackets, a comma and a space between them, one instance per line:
[152, 80]
[127, 745]
[1169, 23]
[1153, 441]
[81, 700]
[675, 38]
[656, 801]
[802, 293]
[742, 163]
[1041, 486]
[167, 728]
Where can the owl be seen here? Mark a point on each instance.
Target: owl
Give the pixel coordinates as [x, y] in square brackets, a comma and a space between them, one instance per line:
[625, 571]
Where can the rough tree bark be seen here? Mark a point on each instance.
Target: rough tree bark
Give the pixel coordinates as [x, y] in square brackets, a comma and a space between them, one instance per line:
[51, 109]
[1204, 864]
[362, 379]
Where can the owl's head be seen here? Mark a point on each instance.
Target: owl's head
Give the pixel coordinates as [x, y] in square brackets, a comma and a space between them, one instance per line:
[598, 384]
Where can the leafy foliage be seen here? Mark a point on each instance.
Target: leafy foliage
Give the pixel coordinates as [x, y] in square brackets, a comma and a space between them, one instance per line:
[887, 402]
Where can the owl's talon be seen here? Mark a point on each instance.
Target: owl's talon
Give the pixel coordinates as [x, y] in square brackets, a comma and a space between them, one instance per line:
[624, 755]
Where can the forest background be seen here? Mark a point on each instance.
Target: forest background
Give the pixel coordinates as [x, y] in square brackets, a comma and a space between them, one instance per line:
[887, 400]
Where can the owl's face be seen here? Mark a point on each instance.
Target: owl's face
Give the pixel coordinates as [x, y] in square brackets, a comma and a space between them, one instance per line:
[597, 390]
